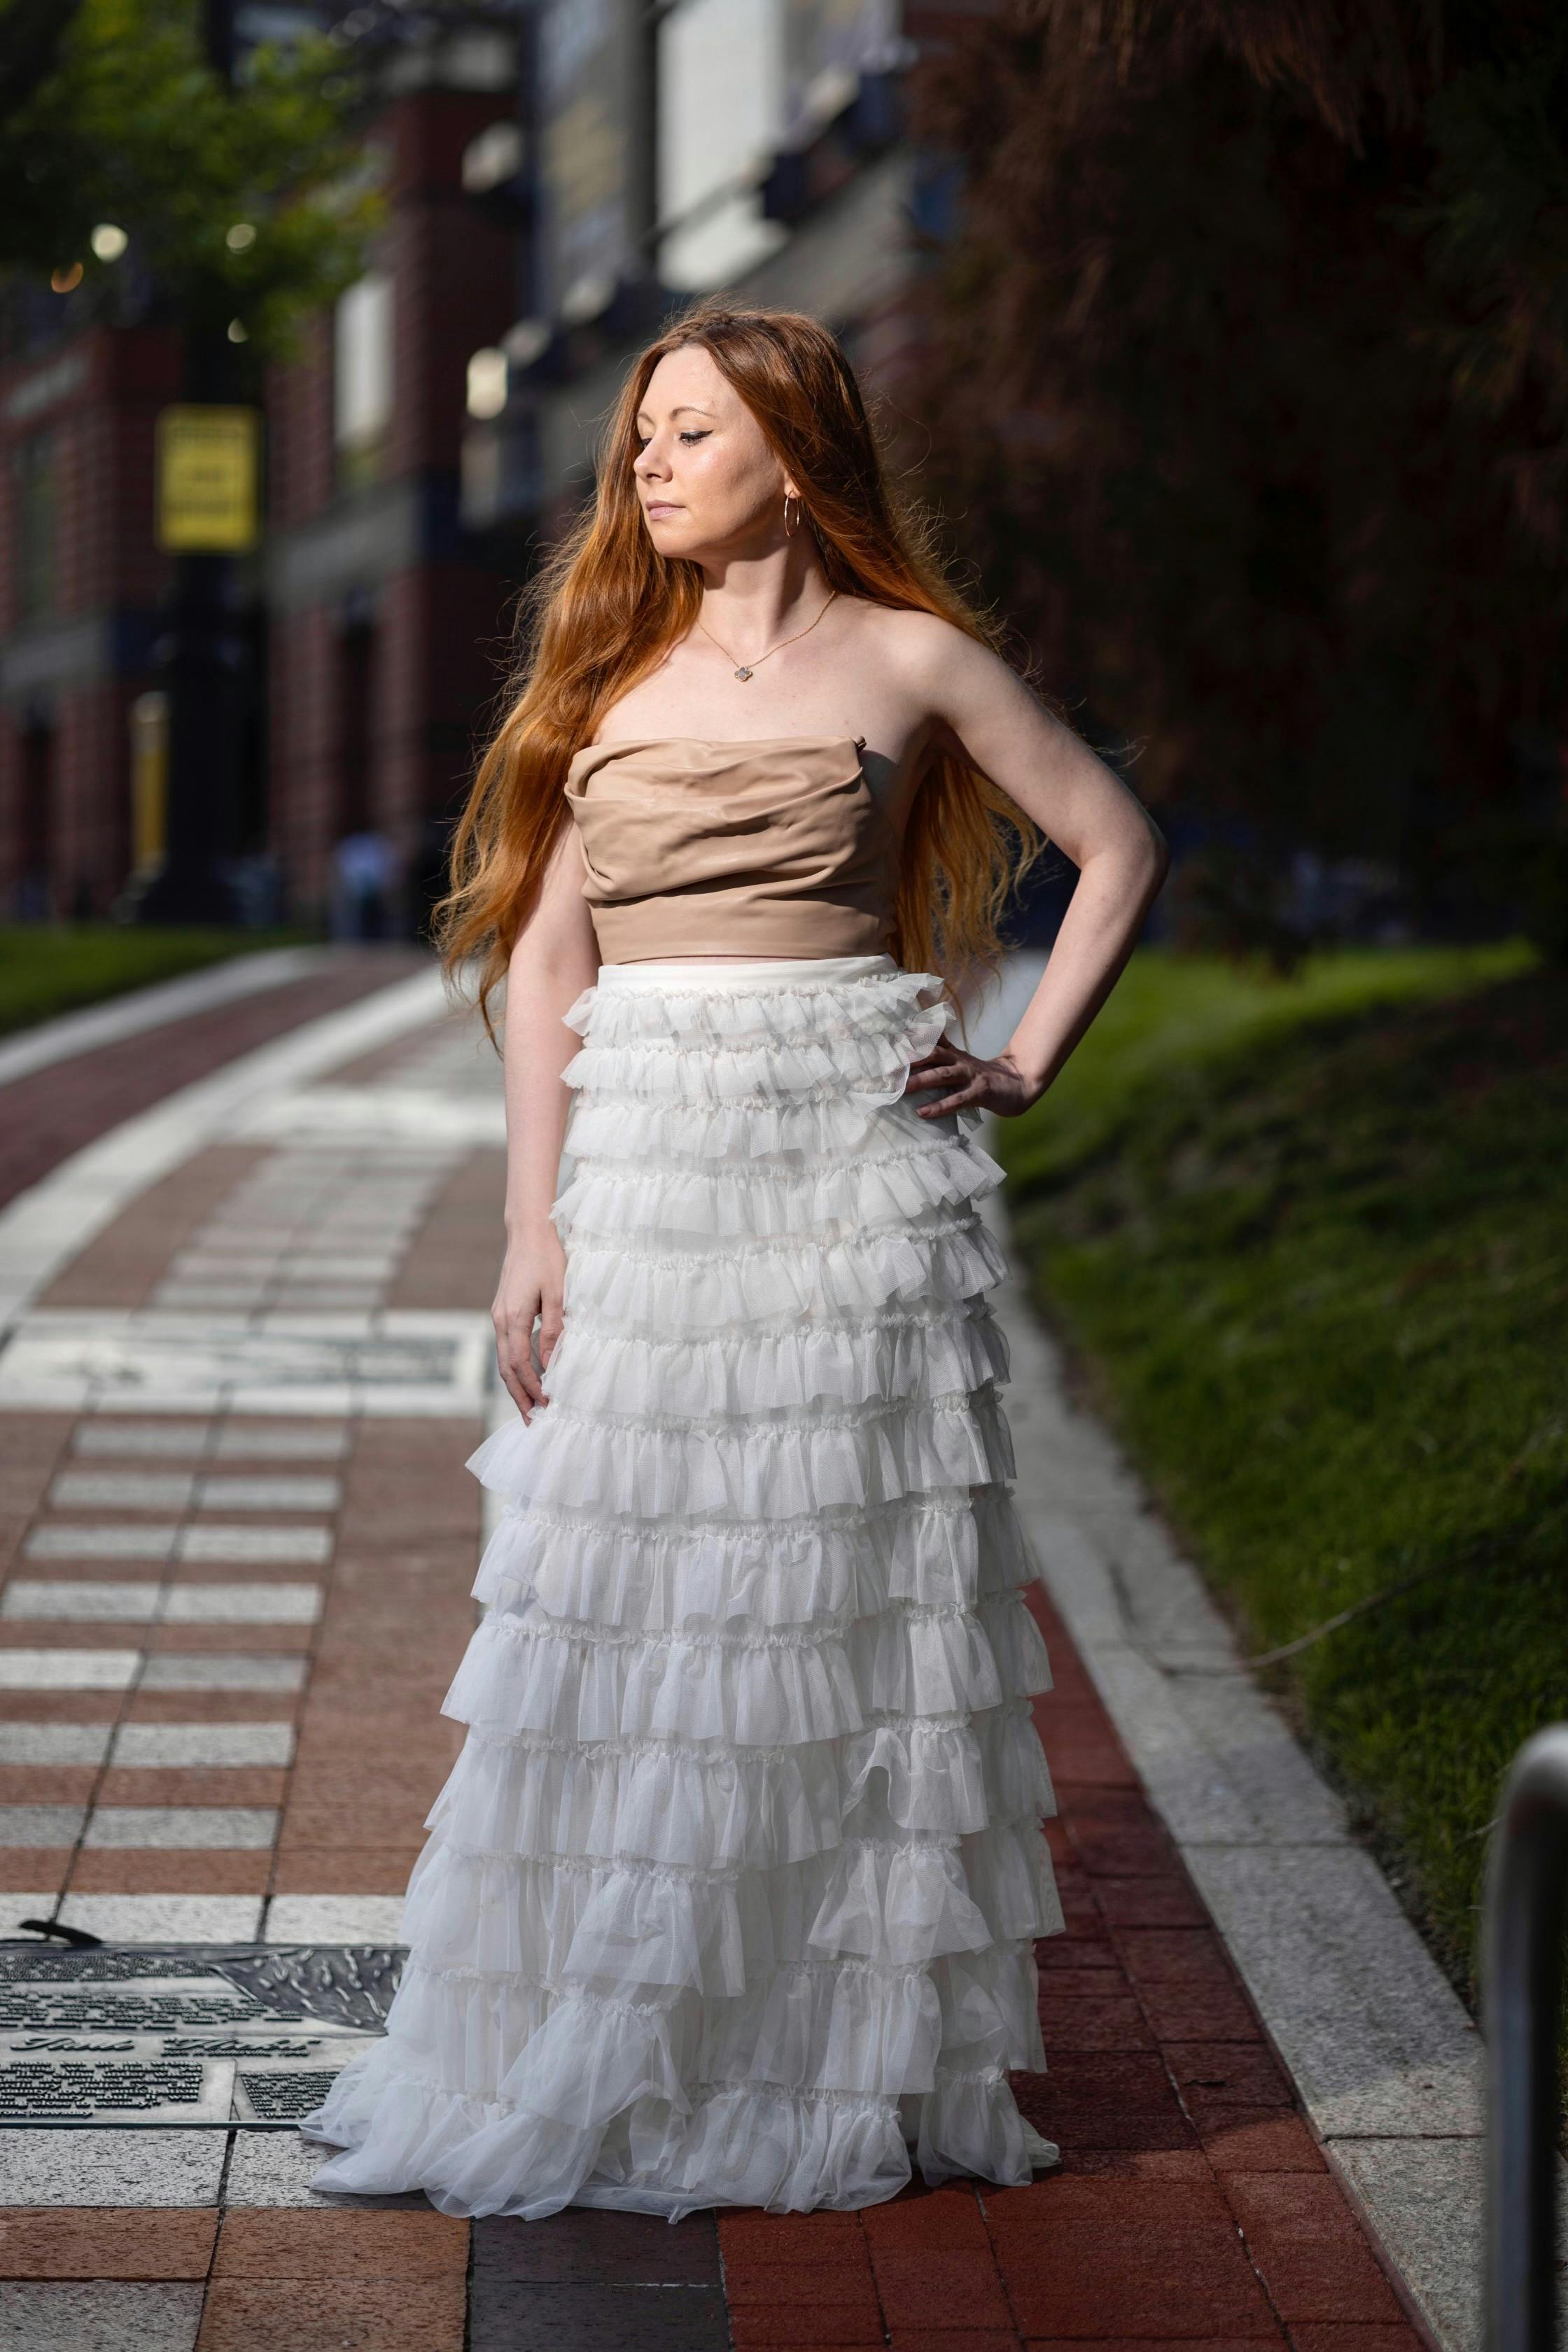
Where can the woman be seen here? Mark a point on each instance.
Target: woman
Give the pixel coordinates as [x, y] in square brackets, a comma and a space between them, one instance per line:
[731, 1894]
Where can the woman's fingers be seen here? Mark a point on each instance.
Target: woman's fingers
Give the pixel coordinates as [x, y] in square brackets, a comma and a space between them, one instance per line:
[531, 1290]
[973, 1091]
[970, 1081]
[521, 1378]
[941, 1069]
[948, 1066]
[941, 1060]
[514, 1356]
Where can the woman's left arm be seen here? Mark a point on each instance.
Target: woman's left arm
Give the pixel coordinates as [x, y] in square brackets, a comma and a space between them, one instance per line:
[1091, 816]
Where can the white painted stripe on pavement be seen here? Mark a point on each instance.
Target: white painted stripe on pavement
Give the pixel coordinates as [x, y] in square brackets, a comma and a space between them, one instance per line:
[142, 1009]
[44, 1228]
[69, 1669]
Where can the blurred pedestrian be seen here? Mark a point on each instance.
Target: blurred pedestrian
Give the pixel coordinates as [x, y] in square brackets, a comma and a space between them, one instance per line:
[364, 873]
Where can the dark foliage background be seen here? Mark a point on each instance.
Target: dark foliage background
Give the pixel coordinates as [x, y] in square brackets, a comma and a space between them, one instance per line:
[1247, 395]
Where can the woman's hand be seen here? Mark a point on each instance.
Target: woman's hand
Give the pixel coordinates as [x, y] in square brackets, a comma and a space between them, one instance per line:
[532, 1283]
[975, 1083]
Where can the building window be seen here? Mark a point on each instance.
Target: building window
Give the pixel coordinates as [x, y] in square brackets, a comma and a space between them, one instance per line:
[36, 519]
[363, 378]
[722, 82]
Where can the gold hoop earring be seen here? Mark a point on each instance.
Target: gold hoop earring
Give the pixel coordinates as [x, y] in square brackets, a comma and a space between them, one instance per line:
[799, 504]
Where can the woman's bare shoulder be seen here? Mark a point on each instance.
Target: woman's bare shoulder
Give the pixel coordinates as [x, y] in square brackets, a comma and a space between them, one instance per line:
[921, 644]
[933, 660]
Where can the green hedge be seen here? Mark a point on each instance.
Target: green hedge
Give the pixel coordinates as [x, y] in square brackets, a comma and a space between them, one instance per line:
[47, 969]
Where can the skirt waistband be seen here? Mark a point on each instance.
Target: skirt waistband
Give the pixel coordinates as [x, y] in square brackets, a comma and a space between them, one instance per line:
[780, 971]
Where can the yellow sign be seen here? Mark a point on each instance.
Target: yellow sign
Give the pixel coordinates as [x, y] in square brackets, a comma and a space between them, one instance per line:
[207, 467]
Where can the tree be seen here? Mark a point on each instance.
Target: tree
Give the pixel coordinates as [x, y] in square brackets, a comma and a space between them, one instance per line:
[1248, 388]
[247, 204]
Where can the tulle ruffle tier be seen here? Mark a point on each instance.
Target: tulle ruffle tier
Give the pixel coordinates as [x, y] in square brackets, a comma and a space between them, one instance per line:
[731, 1894]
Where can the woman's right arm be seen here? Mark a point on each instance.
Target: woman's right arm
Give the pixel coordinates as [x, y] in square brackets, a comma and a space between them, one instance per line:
[555, 958]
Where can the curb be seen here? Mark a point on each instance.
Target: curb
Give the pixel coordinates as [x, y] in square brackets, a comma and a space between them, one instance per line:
[1387, 2060]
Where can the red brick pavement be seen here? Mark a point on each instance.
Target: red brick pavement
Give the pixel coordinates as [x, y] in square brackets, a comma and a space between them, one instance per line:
[57, 1110]
[1193, 2207]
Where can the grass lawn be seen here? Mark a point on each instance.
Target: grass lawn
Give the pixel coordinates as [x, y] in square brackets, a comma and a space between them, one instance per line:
[1309, 1239]
[52, 968]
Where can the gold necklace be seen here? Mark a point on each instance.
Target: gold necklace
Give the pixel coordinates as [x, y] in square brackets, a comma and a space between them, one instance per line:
[744, 669]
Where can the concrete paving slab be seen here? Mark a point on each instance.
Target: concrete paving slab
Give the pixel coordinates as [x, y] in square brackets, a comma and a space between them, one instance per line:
[142, 1490]
[86, 1602]
[45, 1825]
[55, 1743]
[335, 1919]
[273, 2168]
[212, 1263]
[62, 1670]
[155, 1541]
[152, 1359]
[109, 1434]
[408, 1404]
[1224, 1766]
[339, 1323]
[165, 1918]
[102, 1398]
[288, 1546]
[99, 2316]
[16, 1907]
[242, 1605]
[341, 1269]
[333, 1400]
[215, 1492]
[209, 1294]
[108, 2166]
[242, 1670]
[184, 1744]
[173, 1490]
[317, 1297]
[177, 1827]
[318, 1442]
[1373, 2035]
[331, 1113]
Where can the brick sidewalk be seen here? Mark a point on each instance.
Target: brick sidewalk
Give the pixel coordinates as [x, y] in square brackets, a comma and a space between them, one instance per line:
[54, 1111]
[291, 1591]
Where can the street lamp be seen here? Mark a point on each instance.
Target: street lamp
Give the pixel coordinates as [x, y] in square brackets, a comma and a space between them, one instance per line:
[207, 467]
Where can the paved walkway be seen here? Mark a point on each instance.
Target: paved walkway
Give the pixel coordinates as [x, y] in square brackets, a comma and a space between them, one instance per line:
[58, 1108]
[238, 1545]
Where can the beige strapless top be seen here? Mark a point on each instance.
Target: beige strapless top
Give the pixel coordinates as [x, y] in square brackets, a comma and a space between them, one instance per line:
[769, 848]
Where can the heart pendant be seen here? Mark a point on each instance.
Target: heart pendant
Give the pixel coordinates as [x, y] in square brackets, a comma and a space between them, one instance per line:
[743, 673]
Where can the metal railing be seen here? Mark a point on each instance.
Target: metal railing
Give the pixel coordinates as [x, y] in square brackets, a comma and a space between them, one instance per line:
[1527, 1892]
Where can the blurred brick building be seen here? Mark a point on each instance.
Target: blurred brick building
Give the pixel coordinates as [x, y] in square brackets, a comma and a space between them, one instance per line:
[79, 587]
[383, 610]
[371, 611]
[561, 174]
[757, 146]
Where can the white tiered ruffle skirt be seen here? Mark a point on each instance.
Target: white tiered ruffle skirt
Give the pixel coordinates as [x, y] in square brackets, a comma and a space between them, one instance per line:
[731, 1894]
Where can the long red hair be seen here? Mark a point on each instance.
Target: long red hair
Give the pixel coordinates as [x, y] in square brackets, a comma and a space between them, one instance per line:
[606, 606]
